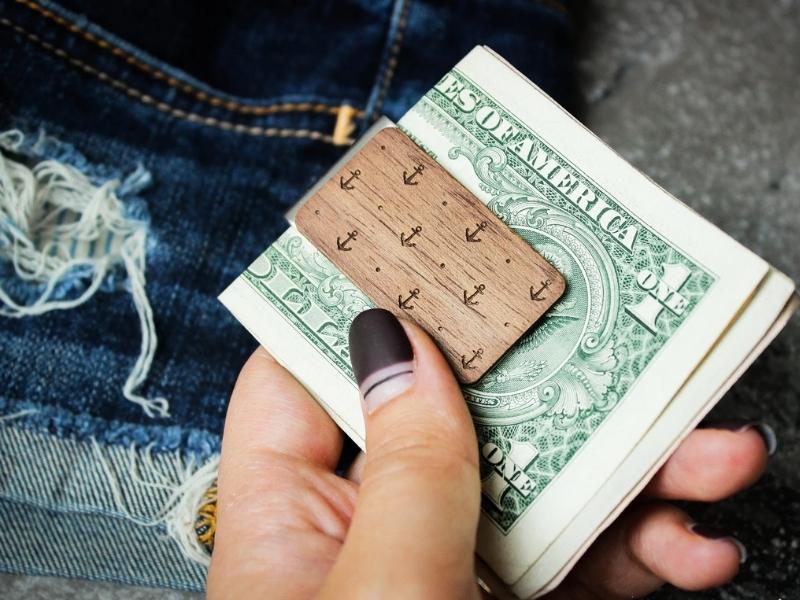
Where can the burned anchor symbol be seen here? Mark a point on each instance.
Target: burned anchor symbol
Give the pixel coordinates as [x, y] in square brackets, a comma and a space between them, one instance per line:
[473, 237]
[409, 179]
[345, 184]
[476, 354]
[537, 295]
[404, 304]
[342, 245]
[406, 241]
[468, 300]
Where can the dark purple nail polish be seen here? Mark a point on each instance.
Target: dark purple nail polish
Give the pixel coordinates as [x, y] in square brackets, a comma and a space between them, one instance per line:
[382, 357]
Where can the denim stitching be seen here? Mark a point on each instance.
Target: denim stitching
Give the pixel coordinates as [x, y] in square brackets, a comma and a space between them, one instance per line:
[163, 106]
[182, 85]
[391, 62]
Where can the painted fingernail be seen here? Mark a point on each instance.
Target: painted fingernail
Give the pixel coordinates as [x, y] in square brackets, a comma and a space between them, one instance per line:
[382, 357]
[766, 432]
[712, 533]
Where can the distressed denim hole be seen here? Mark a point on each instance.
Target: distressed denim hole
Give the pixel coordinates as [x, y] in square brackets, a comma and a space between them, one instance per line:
[64, 236]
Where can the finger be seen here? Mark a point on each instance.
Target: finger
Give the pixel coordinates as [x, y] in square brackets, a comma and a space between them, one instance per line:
[276, 482]
[271, 412]
[712, 464]
[652, 544]
[278, 444]
[413, 531]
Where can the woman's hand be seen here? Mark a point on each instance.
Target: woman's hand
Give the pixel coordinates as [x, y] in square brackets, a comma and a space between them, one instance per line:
[403, 523]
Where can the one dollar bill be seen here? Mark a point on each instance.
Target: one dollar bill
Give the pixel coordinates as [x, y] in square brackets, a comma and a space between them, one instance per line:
[662, 313]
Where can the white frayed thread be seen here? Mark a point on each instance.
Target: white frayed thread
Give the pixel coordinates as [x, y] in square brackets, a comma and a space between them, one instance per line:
[180, 521]
[186, 486]
[48, 214]
[17, 415]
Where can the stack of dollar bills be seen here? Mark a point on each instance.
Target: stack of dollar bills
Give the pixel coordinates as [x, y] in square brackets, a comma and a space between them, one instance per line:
[662, 313]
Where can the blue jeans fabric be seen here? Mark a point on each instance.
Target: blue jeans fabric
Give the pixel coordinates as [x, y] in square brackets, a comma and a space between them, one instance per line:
[230, 109]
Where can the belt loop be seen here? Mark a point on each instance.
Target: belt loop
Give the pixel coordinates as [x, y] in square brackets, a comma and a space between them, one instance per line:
[344, 125]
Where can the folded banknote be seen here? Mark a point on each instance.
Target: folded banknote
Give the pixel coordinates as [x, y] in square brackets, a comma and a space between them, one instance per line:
[662, 313]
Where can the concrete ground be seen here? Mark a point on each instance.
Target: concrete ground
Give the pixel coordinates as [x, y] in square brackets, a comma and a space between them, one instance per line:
[704, 97]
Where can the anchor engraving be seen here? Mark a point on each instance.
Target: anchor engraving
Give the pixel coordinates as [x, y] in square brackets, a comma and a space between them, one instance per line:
[468, 300]
[406, 241]
[476, 354]
[409, 179]
[537, 296]
[404, 304]
[342, 244]
[473, 236]
[346, 184]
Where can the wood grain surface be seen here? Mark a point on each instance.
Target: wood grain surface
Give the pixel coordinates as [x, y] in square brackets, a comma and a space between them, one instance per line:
[419, 244]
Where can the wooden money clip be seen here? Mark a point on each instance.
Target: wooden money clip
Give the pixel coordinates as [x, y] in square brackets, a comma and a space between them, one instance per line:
[421, 245]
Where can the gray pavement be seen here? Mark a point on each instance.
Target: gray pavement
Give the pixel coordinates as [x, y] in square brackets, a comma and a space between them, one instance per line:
[704, 97]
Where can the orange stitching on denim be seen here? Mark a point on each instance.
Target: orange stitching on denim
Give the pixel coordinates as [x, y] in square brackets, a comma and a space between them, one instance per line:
[182, 85]
[391, 64]
[163, 106]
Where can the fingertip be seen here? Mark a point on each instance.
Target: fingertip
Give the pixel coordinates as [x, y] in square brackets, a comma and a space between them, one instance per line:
[432, 382]
[259, 369]
[421, 451]
[713, 558]
[769, 437]
[764, 430]
[270, 411]
[682, 553]
[746, 454]
[710, 465]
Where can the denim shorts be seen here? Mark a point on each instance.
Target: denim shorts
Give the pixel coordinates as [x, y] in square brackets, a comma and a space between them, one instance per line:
[202, 123]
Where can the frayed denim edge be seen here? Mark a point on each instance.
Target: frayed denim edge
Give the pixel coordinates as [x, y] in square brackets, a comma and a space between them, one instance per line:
[45, 418]
[57, 497]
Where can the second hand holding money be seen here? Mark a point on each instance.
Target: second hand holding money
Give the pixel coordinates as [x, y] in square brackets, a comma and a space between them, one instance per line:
[403, 523]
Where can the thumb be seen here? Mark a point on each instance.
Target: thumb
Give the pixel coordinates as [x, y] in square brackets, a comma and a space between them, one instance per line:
[414, 527]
